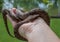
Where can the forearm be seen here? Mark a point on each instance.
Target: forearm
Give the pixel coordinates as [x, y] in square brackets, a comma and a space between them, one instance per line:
[43, 33]
[39, 31]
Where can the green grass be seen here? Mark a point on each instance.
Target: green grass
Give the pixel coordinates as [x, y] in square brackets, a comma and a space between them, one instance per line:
[4, 37]
[55, 25]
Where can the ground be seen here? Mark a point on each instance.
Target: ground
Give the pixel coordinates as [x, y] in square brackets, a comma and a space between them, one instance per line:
[4, 37]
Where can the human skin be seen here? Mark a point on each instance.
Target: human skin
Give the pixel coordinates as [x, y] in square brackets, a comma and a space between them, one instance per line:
[38, 31]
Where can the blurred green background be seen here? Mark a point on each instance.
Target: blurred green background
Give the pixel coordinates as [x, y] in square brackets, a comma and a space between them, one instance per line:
[50, 6]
